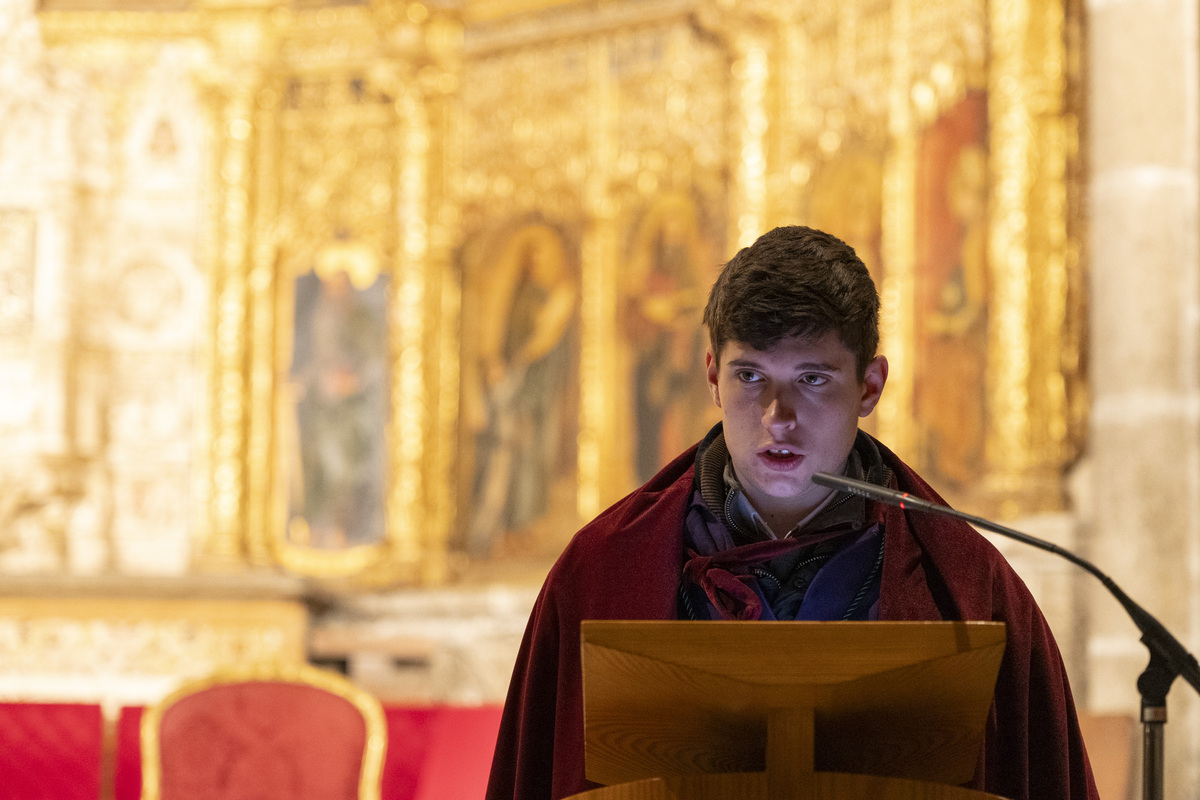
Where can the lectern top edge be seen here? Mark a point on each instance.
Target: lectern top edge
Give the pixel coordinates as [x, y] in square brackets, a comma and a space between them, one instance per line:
[738, 649]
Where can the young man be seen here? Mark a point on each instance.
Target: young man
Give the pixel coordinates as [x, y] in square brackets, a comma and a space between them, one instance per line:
[734, 528]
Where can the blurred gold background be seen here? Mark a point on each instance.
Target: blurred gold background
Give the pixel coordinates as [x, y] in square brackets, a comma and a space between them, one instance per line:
[362, 307]
[431, 276]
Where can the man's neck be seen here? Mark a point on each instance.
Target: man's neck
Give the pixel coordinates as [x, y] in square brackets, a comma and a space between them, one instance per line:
[773, 517]
[784, 523]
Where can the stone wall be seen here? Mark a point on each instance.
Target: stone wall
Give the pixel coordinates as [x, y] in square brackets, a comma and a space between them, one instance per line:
[1142, 109]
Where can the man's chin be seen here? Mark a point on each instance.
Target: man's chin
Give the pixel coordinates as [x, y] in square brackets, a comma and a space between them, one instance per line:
[795, 487]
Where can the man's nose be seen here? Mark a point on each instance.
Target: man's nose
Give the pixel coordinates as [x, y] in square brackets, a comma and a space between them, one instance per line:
[780, 412]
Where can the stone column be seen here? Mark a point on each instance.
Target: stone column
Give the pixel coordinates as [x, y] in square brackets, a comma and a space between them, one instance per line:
[1143, 140]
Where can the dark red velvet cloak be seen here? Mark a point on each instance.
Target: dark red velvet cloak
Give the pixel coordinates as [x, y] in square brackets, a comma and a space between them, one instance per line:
[626, 565]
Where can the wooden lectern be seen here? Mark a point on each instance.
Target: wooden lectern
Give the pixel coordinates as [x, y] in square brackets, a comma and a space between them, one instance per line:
[786, 710]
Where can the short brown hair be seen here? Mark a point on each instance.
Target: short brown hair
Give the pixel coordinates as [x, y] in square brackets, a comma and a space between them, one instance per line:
[795, 281]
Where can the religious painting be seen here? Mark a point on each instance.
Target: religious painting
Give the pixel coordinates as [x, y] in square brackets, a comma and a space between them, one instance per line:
[951, 291]
[338, 389]
[521, 311]
[670, 267]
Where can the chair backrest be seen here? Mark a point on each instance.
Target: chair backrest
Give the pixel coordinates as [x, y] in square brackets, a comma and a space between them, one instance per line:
[264, 732]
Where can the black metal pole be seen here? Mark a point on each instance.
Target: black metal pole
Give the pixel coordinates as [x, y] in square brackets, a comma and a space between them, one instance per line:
[1154, 683]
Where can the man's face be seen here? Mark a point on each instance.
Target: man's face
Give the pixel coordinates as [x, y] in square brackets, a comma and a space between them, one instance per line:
[790, 412]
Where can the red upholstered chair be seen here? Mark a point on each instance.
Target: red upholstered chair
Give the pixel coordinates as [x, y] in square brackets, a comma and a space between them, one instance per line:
[264, 732]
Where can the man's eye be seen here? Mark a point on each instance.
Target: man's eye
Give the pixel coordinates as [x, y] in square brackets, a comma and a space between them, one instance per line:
[746, 376]
[814, 380]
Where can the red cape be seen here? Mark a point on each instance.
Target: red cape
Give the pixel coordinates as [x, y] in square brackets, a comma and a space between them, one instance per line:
[626, 565]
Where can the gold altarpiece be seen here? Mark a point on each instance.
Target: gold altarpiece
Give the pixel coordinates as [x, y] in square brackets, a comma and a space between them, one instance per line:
[607, 158]
[327, 131]
[938, 138]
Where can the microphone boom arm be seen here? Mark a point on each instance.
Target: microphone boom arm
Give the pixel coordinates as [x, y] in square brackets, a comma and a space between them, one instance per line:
[1165, 650]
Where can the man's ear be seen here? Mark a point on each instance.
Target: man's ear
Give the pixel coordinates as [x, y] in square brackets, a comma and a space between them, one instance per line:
[872, 385]
[711, 368]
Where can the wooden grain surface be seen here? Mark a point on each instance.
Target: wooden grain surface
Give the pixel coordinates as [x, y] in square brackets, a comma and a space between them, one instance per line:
[906, 700]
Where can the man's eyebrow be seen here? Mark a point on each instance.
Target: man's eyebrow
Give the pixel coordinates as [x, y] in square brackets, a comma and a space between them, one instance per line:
[820, 366]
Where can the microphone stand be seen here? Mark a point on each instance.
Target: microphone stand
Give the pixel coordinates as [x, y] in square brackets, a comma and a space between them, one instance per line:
[1169, 659]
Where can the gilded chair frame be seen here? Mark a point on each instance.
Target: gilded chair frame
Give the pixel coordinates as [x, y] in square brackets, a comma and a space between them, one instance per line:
[368, 706]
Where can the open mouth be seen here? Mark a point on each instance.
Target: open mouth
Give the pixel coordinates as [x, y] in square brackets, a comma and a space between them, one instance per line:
[780, 454]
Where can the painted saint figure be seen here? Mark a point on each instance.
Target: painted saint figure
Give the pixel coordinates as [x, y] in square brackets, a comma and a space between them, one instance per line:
[339, 380]
[665, 287]
[952, 291]
[528, 304]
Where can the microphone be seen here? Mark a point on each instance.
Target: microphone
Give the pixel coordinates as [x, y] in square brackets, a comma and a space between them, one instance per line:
[1165, 649]
[906, 501]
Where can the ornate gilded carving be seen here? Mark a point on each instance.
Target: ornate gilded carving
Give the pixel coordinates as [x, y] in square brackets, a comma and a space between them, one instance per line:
[831, 105]
[17, 232]
[598, 295]
[112, 345]
[264, 259]
[751, 73]
[897, 338]
[124, 650]
[231, 229]
[856, 83]
[288, 92]
[387, 125]
[1028, 250]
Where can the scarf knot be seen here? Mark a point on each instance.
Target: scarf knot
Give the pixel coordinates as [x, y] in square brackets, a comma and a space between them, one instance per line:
[725, 576]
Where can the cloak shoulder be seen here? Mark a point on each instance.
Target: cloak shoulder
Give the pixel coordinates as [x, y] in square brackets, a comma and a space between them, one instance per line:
[623, 565]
